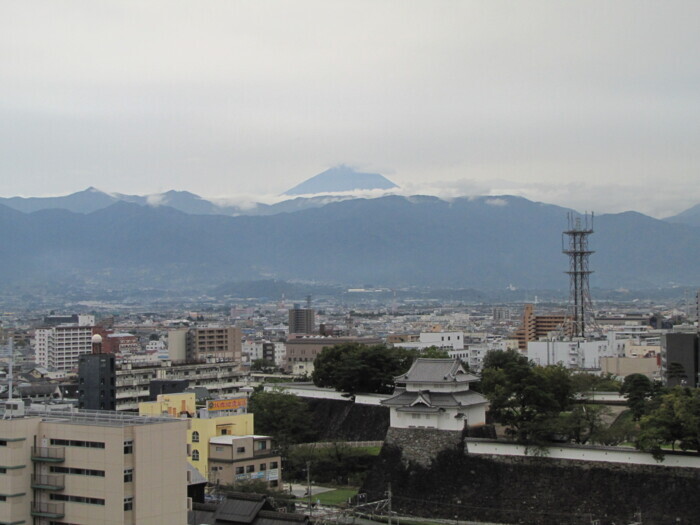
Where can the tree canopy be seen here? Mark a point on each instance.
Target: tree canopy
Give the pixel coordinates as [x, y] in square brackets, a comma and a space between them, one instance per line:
[283, 416]
[638, 389]
[353, 368]
[527, 399]
[675, 421]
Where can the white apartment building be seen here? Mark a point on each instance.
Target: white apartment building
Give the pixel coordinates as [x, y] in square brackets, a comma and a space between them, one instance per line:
[443, 340]
[60, 347]
[581, 355]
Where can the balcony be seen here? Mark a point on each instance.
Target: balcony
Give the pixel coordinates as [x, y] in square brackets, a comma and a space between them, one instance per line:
[41, 509]
[49, 454]
[48, 481]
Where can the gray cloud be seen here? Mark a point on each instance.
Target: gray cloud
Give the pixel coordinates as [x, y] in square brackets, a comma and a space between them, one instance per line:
[594, 103]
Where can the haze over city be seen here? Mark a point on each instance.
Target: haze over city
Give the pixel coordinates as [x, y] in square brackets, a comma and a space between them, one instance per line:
[592, 105]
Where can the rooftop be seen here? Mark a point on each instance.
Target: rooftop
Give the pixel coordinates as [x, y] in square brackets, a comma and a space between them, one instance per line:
[101, 418]
[436, 371]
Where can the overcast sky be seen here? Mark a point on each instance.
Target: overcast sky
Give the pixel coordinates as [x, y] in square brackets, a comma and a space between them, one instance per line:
[590, 104]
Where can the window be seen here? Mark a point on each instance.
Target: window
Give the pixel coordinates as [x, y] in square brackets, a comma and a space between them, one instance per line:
[128, 475]
[263, 467]
[224, 431]
[195, 437]
[273, 464]
[77, 471]
[240, 450]
[77, 443]
[250, 468]
[195, 455]
[239, 470]
[77, 499]
[219, 449]
[128, 503]
[129, 446]
[262, 445]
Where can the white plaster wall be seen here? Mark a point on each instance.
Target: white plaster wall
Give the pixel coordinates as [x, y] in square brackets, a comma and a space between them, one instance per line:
[605, 454]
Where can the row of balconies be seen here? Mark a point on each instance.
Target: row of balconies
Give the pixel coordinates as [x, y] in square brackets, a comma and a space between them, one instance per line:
[45, 509]
[51, 510]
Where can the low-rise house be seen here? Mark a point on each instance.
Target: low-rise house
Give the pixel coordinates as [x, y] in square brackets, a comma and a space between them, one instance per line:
[243, 508]
[234, 459]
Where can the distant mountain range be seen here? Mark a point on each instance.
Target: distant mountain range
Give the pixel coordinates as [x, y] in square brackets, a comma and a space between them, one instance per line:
[480, 243]
[691, 217]
[325, 187]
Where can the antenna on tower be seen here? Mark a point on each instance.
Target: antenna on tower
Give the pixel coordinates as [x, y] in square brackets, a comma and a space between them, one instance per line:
[576, 247]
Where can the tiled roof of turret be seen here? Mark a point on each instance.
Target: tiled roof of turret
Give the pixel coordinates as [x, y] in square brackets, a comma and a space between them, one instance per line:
[436, 371]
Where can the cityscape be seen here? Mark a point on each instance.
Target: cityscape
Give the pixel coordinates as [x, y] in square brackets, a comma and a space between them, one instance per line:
[349, 263]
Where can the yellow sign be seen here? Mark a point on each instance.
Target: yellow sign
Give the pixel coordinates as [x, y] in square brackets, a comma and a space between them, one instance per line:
[227, 404]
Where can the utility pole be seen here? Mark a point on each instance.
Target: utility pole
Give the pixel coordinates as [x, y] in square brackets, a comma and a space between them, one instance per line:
[388, 497]
[308, 484]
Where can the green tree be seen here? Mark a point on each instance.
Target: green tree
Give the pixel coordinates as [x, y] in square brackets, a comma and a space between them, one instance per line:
[500, 359]
[263, 365]
[675, 421]
[527, 399]
[583, 423]
[354, 368]
[283, 416]
[637, 388]
[433, 352]
[585, 382]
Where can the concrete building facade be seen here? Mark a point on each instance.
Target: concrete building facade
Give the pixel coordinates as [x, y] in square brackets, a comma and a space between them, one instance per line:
[534, 327]
[680, 358]
[219, 378]
[235, 459]
[60, 347]
[302, 320]
[88, 467]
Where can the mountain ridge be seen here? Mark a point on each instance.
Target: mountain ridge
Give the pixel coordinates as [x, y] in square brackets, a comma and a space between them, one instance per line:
[479, 243]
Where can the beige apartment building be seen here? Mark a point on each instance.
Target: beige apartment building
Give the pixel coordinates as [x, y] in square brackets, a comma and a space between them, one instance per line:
[223, 343]
[83, 467]
[534, 327]
[236, 459]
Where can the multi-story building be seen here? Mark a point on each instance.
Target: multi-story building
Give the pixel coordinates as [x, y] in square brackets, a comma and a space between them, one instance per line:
[221, 343]
[301, 320]
[438, 339]
[680, 358]
[235, 459]
[121, 343]
[60, 347]
[97, 380]
[221, 417]
[534, 327]
[86, 467]
[219, 378]
[579, 355]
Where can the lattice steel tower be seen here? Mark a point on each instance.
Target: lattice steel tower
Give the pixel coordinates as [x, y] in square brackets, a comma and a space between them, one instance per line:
[576, 247]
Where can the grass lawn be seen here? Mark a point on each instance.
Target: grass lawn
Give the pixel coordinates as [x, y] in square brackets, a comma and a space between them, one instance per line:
[370, 451]
[335, 497]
